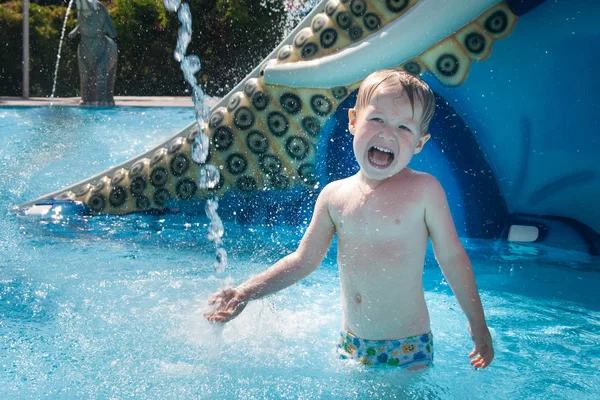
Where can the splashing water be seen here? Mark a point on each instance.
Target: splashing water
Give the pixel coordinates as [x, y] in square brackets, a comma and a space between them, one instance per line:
[200, 150]
[296, 10]
[215, 233]
[172, 5]
[209, 175]
[62, 36]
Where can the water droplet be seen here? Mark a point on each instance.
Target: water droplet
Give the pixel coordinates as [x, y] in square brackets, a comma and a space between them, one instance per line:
[172, 5]
[200, 149]
[209, 177]
[220, 265]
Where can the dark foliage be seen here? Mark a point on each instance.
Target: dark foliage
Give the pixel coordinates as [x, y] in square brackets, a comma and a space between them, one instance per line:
[229, 36]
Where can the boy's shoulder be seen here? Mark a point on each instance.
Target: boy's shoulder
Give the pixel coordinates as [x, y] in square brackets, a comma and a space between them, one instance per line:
[429, 186]
[417, 177]
[335, 187]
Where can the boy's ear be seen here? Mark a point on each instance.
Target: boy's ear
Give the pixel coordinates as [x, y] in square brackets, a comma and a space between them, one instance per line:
[351, 120]
[422, 142]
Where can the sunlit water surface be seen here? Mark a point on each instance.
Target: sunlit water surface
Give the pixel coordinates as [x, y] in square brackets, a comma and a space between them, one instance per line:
[111, 307]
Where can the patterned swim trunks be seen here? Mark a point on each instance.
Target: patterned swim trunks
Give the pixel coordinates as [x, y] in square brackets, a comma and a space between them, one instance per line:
[409, 352]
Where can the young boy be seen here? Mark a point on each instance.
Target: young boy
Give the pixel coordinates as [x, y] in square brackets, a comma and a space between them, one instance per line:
[383, 217]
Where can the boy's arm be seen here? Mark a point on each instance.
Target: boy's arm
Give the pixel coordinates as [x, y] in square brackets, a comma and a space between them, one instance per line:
[456, 266]
[283, 273]
[302, 262]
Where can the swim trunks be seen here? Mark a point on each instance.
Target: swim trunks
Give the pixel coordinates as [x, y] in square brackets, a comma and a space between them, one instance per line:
[409, 352]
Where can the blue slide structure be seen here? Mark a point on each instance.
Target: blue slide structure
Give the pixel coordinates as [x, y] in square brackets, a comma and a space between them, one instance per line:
[513, 143]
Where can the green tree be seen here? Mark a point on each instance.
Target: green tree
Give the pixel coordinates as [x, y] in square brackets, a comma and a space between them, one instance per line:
[230, 36]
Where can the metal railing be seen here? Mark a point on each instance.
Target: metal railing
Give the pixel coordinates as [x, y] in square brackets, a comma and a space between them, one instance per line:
[25, 49]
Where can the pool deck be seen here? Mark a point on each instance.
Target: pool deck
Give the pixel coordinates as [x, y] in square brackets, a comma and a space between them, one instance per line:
[123, 101]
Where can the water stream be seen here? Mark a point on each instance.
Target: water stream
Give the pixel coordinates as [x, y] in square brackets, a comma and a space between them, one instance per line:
[62, 36]
[209, 175]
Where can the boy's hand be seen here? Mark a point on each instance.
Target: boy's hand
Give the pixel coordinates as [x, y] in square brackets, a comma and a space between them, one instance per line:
[228, 305]
[483, 350]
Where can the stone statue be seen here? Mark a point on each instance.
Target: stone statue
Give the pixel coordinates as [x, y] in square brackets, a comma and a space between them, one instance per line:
[96, 53]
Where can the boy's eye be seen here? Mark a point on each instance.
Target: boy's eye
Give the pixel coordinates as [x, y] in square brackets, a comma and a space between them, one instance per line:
[376, 119]
[404, 127]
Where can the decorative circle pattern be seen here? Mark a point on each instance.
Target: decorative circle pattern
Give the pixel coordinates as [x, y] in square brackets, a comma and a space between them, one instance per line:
[475, 42]
[223, 138]
[297, 147]
[236, 164]
[158, 156]
[234, 102]
[159, 177]
[328, 38]
[344, 20]
[355, 32]
[284, 53]
[277, 123]
[260, 100]
[117, 178]
[497, 22]
[447, 64]
[318, 22]
[96, 202]
[372, 21]
[179, 165]
[339, 92]
[186, 189]
[412, 67]
[290, 103]
[137, 186]
[358, 7]
[243, 118]
[98, 186]
[270, 164]
[308, 174]
[302, 37]
[396, 5]
[320, 105]
[161, 196]
[118, 196]
[216, 118]
[309, 50]
[175, 145]
[331, 6]
[193, 134]
[257, 142]
[251, 86]
[136, 169]
[83, 190]
[311, 126]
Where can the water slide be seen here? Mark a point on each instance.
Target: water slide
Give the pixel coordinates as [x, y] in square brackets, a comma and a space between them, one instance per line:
[513, 136]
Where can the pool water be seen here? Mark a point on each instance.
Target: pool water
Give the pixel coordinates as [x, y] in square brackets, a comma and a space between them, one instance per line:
[111, 307]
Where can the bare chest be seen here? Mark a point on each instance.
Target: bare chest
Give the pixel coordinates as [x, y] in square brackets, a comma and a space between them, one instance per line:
[379, 219]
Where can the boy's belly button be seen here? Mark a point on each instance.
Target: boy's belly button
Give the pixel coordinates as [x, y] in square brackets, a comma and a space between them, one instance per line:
[358, 298]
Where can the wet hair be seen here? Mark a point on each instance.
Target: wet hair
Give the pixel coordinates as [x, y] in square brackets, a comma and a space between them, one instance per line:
[381, 80]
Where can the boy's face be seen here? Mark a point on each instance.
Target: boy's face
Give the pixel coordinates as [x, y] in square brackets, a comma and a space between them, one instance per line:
[386, 133]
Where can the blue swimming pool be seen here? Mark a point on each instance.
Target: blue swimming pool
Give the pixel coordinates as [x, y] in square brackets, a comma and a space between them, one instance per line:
[111, 307]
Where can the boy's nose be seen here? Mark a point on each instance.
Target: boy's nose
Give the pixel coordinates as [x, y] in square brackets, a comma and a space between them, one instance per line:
[386, 134]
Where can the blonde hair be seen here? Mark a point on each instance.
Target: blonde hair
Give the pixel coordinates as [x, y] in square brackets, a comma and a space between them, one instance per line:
[412, 86]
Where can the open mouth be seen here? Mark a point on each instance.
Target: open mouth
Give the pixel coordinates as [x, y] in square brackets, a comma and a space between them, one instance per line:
[380, 157]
